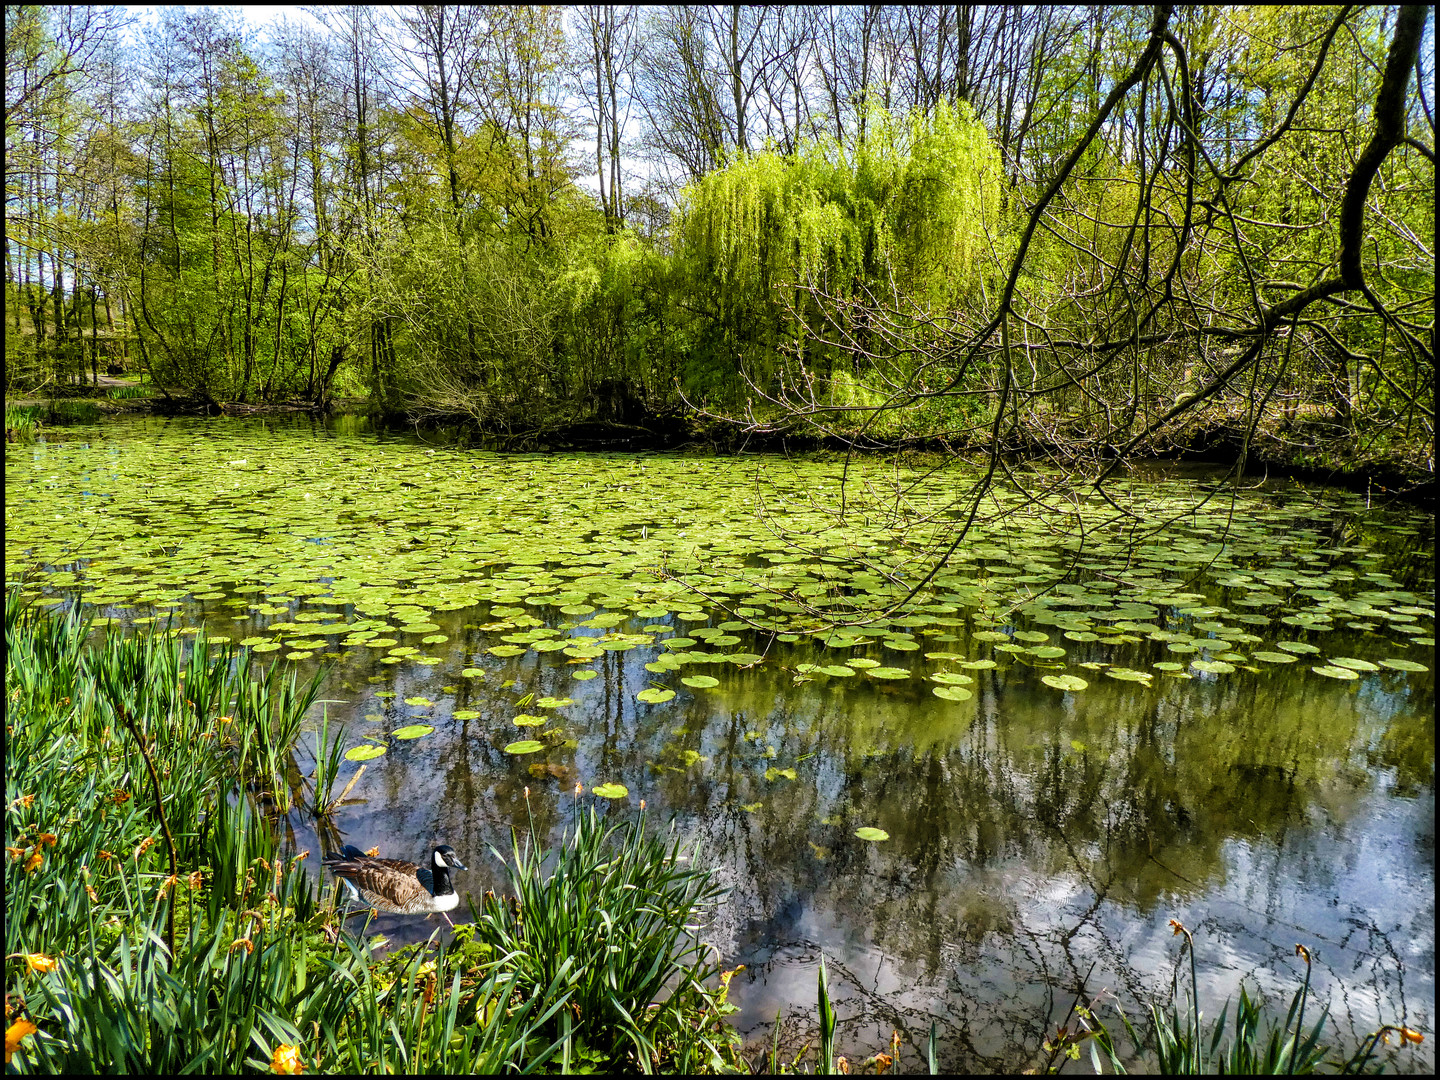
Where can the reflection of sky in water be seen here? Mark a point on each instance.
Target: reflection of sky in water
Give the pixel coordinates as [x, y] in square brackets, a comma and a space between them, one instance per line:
[1038, 839]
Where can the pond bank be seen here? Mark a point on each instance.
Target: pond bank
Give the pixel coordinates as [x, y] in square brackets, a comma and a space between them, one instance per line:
[1269, 453]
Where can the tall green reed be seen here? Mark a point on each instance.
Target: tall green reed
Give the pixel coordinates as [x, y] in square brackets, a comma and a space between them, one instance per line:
[615, 921]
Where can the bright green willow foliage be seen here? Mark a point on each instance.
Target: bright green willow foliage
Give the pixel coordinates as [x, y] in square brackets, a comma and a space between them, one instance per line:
[906, 217]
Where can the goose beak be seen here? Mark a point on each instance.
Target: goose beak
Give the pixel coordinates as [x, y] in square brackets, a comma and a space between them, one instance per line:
[454, 861]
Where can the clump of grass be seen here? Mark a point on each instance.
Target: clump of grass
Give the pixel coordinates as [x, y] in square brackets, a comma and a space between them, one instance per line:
[128, 393]
[615, 920]
[1178, 1044]
[21, 422]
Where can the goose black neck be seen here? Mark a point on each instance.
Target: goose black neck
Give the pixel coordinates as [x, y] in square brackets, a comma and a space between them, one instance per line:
[440, 875]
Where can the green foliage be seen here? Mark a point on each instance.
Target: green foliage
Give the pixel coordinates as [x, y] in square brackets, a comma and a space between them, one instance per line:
[904, 218]
[611, 922]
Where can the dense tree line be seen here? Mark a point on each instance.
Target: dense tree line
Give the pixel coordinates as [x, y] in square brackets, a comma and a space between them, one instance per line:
[1008, 224]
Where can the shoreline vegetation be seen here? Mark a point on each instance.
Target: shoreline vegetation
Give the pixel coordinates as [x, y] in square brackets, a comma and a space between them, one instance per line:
[1266, 453]
[1085, 236]
[155, 925]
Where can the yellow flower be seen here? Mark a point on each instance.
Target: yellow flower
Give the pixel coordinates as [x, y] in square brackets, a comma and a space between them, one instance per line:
[16, 852]
[726, 976]
[169, 883]
[197, 879]
[14, 1033]
[373, 852]
[39, 961]
[243, 943]
[1300, 950]
[224, 720]
[286, 1059]
[48, 838]
[1411, 1035]
[1177, 926]
[578, 789]
[90, 892]
[35, 861]
[24, 800]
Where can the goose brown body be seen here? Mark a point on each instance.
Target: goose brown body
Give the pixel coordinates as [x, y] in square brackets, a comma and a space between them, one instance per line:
[397, 886]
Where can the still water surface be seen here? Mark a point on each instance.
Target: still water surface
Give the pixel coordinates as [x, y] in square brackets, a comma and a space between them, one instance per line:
[1039, 841]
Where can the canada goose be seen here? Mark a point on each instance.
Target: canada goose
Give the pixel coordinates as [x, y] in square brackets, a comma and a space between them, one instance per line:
[404, 888]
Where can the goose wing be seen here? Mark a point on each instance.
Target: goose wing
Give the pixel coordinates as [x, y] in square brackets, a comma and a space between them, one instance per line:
[388, 884]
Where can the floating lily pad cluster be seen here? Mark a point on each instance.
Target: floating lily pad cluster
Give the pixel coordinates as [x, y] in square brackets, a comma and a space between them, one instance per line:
[320, 545]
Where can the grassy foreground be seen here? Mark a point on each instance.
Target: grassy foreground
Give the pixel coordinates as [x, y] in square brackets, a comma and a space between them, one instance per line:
[152, 925]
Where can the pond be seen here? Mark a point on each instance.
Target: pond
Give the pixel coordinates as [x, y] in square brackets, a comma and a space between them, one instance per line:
[1220, 712]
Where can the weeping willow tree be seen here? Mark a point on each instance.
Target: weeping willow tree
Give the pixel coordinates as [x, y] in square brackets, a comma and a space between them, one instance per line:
[783, 259]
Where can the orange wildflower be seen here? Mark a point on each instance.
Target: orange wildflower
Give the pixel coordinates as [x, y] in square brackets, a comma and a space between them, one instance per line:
[48, 838]
[39, 961]
[286, 1059]
[197, 879]
[35, 862]
[243, 943]
[14, 1033]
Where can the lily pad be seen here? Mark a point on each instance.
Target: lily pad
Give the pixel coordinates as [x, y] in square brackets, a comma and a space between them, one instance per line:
[1275, 657]
[1213, 667]
[1129, 675]
[610, 791]
[1064, 682]
[890, 673]
[653, 696]
[524, 746]
[700, 682]
[872, 834]
[364, 753]
[952, 693]
[1353, 664]
[1334, 672]
[1403, 665]
[413, 731]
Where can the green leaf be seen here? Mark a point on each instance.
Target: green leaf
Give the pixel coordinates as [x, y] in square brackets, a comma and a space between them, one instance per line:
[412, 731]
[700, 682]
[364, 753]
[610, 791]
[653, 696]
[951, 693]
[524, 746]
[1064, 682]
[873, 834]
[1403, 665]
